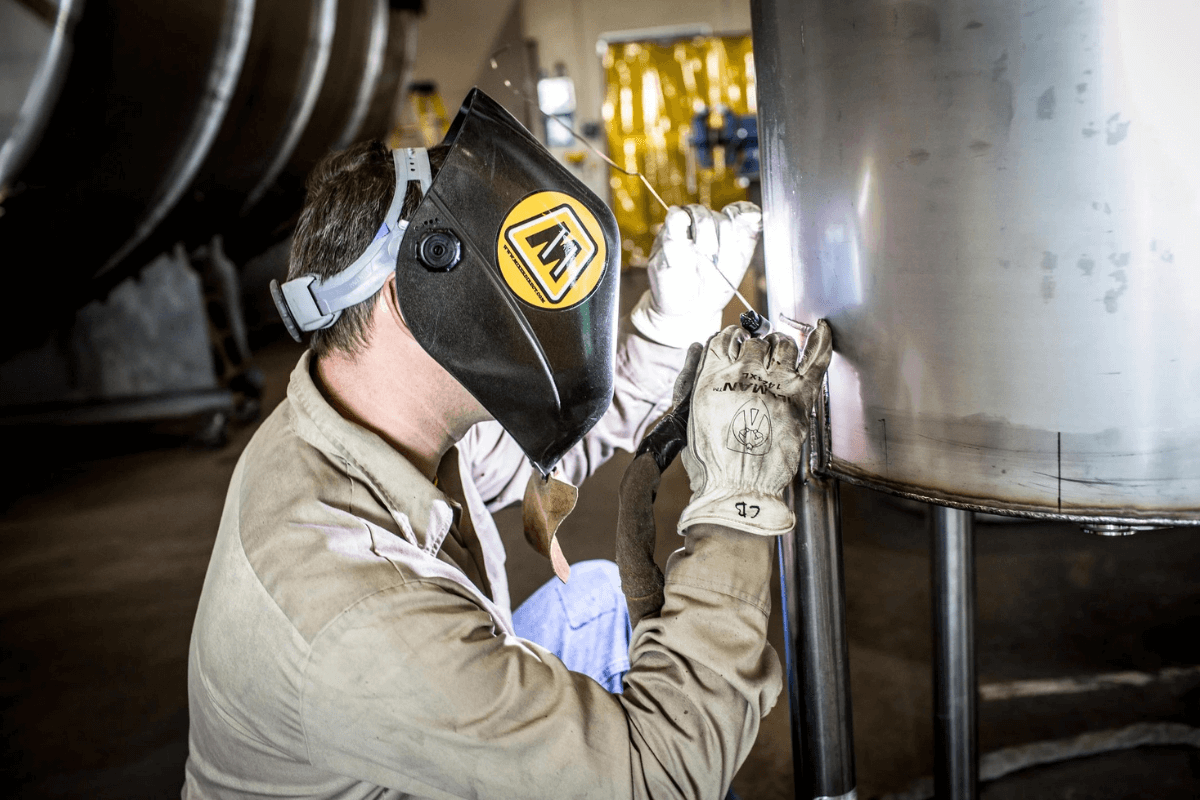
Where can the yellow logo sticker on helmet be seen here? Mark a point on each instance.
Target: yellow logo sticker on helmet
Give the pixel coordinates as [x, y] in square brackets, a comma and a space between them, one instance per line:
[551, 250]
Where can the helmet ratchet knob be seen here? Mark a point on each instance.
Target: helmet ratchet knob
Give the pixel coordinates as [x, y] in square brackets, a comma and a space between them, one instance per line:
[439, 251]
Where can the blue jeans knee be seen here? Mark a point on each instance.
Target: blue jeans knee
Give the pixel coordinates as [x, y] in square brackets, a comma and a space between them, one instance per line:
[585, 622]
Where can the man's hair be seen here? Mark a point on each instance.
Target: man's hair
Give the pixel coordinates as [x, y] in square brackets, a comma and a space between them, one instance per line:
[347, 195]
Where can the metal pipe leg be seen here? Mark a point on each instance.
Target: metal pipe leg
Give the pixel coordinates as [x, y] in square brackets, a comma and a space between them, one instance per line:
[814, 617]
[955, 691]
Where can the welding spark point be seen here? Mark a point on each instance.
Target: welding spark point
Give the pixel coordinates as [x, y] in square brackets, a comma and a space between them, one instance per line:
[754, 323]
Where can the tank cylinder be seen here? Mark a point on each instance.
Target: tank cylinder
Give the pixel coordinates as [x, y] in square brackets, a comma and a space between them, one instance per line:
[995, 204]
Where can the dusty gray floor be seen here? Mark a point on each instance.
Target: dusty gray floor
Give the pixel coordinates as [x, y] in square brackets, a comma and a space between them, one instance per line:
[105, 536]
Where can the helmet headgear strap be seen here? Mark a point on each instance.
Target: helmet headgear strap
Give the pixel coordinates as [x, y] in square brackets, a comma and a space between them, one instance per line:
[309, 303]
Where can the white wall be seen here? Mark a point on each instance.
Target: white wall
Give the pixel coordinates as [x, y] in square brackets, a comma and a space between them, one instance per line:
[455, 38]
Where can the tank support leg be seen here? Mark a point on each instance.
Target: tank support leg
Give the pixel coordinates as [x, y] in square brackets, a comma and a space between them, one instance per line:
[955, 691]
[814, 618]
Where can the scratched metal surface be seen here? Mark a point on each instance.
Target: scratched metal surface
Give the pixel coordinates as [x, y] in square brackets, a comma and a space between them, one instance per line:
[996, 206]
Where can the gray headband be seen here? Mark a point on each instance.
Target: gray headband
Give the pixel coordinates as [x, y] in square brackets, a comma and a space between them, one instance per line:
[308, 303]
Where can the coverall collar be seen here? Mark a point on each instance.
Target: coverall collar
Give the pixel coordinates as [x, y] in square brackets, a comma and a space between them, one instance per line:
[423, 513]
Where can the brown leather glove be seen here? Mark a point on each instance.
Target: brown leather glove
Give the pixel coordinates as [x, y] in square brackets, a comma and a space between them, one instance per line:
[641, 579]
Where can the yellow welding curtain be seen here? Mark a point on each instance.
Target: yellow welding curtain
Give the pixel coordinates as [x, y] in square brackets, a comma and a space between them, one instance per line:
[654, 91]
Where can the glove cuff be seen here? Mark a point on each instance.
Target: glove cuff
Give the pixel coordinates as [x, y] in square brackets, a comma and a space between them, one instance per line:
[673, 330]
[759, 514]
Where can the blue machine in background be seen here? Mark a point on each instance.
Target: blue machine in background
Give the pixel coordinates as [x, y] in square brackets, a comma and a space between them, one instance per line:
[737, 135]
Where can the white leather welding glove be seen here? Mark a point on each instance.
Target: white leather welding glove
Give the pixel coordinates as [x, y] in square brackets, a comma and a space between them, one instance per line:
[750, 412]
[687, 295]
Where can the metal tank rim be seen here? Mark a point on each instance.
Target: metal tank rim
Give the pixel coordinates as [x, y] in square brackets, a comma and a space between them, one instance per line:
[1085, 520]
[821, 432]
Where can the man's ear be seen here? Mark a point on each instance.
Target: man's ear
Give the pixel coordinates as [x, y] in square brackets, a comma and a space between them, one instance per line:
[387, 296]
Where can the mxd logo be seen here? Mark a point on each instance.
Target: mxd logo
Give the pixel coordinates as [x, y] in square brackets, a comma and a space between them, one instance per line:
[551, 256]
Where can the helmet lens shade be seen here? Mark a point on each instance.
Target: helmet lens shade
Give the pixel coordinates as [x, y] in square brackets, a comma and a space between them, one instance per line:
[523, 311]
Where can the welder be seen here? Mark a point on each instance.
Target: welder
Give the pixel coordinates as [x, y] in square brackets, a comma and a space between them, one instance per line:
[354, 637]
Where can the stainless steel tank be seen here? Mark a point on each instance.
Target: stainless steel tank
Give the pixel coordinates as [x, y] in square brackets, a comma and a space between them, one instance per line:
[997, 205]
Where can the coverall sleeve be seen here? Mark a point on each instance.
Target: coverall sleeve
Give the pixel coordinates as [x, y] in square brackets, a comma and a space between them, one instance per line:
[414, 689]
[643, 378]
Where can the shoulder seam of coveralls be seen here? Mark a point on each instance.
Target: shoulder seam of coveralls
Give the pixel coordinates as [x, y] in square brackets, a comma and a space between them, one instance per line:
[312, 646]
[407, 584]
[258, 578]
[291, 625]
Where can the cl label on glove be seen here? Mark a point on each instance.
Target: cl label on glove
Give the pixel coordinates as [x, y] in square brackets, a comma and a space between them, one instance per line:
[745, 510]
[551, 251]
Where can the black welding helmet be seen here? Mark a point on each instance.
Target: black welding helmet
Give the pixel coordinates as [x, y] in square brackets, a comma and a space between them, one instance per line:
[507, 276]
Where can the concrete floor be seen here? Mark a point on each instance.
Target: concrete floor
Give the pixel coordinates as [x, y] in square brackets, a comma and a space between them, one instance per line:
[106, 533]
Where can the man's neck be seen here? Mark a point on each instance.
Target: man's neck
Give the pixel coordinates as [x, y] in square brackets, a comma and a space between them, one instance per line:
[396, 390]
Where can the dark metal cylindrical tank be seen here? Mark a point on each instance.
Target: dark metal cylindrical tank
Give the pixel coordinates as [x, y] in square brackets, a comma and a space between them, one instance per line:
[271, 107]
[366, 60]
[285, 66]
[170, 121]
[144, 95]
[359, 43]
[997, 205]
[36, 43]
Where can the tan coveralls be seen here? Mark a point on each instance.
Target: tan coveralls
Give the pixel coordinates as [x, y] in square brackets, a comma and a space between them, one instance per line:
[354, 636]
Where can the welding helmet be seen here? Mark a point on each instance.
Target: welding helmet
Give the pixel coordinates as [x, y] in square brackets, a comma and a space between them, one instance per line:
[507, 276]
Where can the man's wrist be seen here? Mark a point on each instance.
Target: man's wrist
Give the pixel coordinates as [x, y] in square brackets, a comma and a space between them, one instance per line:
[673, 330]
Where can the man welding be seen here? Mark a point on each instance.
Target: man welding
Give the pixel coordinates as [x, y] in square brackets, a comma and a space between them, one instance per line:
[354, 637]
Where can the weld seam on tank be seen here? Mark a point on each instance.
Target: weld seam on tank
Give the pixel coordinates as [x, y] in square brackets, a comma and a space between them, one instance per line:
[229, 55]
[1145, 523]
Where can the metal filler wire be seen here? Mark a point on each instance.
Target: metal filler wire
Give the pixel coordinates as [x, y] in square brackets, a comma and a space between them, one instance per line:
[583, 140]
